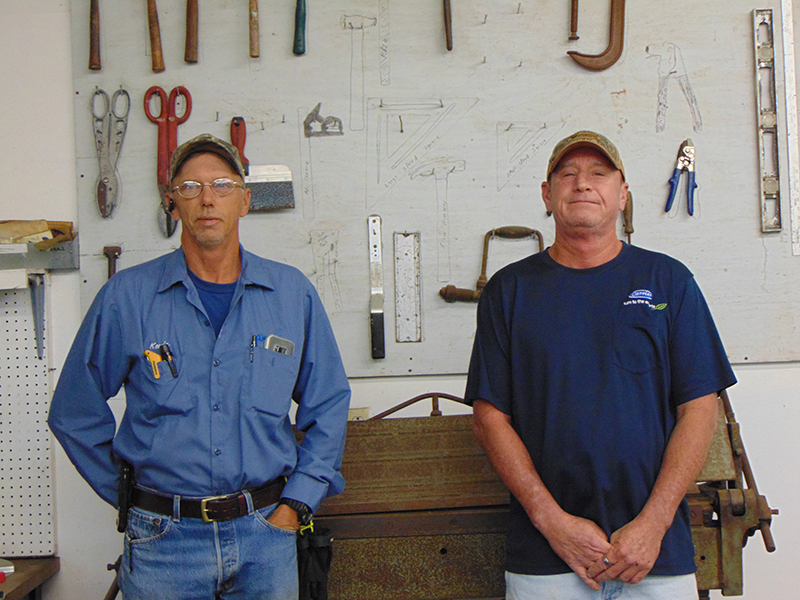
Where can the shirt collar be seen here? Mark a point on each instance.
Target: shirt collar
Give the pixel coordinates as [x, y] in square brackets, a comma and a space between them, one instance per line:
[254, 272]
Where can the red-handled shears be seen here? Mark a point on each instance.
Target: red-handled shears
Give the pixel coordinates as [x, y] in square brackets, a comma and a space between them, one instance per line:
[167, 121]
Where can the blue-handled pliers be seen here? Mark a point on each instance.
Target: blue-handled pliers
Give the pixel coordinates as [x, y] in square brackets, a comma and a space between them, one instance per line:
[685, 162]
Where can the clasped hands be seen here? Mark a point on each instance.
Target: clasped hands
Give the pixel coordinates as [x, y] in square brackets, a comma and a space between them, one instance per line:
[628, 555]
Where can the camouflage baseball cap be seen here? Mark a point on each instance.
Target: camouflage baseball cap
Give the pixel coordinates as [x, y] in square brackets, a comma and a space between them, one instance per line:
[585, 139]
[206, 143]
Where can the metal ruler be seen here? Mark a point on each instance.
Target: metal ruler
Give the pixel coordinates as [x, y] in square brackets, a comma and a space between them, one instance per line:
[407, 291]
[767, 121]
[790, 85]
[376, 334]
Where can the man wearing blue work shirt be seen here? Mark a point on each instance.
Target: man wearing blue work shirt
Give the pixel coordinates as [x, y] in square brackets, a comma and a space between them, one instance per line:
[212, 344]
[594, 380]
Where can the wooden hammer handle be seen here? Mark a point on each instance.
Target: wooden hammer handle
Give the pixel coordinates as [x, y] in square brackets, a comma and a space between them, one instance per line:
[190, 53]
[255, 46]
[94, 36]
[155, 37]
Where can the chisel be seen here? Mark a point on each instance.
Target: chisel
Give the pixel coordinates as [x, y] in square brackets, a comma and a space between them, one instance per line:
[376, 333]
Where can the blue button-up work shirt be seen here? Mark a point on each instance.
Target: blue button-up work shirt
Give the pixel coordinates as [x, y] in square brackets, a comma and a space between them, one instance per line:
[222, 424]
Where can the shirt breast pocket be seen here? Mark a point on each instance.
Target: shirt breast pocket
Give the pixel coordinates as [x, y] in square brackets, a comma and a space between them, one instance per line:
[164, 394]
[640, 342]
[273, 377]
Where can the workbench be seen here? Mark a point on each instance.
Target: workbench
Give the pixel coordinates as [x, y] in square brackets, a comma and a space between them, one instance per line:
[425, 516]
[28, 576]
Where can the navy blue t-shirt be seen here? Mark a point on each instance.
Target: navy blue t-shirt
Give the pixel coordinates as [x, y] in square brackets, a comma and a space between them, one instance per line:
[592, 364]
[216, 299]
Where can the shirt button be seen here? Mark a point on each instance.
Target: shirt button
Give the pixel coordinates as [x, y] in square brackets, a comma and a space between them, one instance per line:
[207, 324]
[215, 407]
[216, 362]
[217, 451]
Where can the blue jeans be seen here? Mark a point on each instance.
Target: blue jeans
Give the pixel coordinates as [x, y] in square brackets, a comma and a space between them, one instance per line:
[570, 587]
[169, 558]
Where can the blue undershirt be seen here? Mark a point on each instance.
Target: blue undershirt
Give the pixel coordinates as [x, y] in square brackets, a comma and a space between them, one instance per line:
[216, 299]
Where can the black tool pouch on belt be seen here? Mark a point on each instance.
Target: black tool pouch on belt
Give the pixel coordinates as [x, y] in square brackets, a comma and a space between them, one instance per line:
[314, 556]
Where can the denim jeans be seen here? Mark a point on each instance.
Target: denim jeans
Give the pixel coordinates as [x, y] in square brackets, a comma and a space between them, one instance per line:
[570, 587]
[169, 558]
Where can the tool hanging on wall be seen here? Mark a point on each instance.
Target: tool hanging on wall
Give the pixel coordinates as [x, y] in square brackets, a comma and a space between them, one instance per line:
[299, 47]
[616, 38]
[190, 51]
[767, 121]
[573, 21]
[448, 25]
[451, 293]
[684, 162]
[110, 125]
[94, 36]
[376, 330]
[270, 185]
[627, 217]
[112, 254]
[407, 288]
[167, 121]
[155, 37]
[255, 41]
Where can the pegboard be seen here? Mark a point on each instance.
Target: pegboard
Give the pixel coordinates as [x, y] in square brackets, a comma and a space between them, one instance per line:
[26, 493]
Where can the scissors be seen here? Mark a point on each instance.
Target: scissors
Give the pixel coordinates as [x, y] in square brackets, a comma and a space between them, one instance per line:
[167, 121]
[685, 162]
[110, 125]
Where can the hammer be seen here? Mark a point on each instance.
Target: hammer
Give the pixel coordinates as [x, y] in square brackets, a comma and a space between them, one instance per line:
[440, 169]
[353, 23]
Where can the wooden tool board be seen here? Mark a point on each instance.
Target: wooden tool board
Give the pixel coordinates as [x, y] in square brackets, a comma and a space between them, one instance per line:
[490, 111]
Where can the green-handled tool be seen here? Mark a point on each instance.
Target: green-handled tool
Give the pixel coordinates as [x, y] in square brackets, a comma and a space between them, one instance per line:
[300, 28]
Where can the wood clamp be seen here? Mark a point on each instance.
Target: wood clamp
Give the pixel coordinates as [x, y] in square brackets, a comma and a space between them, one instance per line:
[451, 293]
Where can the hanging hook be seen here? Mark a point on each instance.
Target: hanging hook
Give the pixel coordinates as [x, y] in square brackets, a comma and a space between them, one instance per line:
[598, 62]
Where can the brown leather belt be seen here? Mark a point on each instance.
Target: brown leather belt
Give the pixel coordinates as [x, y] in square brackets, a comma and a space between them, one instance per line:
[216, 508]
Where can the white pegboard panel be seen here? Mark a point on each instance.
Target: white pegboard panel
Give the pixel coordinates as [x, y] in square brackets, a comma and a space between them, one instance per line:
[26, 493]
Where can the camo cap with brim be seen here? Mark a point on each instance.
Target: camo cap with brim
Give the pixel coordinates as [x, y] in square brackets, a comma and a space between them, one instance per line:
[206, 143]
[585, 139]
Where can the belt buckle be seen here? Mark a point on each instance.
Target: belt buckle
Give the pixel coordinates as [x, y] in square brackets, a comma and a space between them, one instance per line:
[204, 508]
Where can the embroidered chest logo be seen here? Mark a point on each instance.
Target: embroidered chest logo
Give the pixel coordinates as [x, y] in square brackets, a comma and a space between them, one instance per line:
[643, 297]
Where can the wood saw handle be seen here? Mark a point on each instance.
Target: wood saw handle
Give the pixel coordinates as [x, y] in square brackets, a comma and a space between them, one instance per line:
[94, 36]
[155, 37]
[190, 53]
[300, 28]
[255, 46]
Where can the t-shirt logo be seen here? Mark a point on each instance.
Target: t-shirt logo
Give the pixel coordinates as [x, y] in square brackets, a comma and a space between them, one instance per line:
[643, 297]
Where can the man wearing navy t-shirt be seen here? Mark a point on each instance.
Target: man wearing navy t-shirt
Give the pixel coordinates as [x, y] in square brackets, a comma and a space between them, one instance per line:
[594, 380]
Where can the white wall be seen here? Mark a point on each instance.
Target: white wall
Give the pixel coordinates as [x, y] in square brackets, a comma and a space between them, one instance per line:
[37, 168]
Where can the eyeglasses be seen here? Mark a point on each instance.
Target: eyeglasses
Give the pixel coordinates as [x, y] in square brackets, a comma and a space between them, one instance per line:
[220, 187]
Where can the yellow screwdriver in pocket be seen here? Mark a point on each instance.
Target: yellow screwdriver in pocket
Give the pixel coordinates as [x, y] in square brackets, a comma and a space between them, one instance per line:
[154, 359]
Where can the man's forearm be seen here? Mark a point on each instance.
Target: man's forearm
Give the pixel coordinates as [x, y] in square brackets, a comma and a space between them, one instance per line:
[685, 455]
[513, 464]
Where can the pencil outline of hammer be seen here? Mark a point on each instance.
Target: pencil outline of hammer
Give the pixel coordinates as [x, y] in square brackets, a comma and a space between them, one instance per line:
[357, 23]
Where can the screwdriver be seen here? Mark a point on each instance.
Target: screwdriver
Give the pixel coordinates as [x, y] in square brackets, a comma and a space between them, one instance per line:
[154, 360]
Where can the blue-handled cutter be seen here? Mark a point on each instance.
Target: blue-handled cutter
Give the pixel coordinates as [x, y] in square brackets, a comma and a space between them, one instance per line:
[685, 162]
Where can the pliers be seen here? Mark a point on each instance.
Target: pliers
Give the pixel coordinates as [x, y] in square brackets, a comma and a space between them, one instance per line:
[685, 162]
